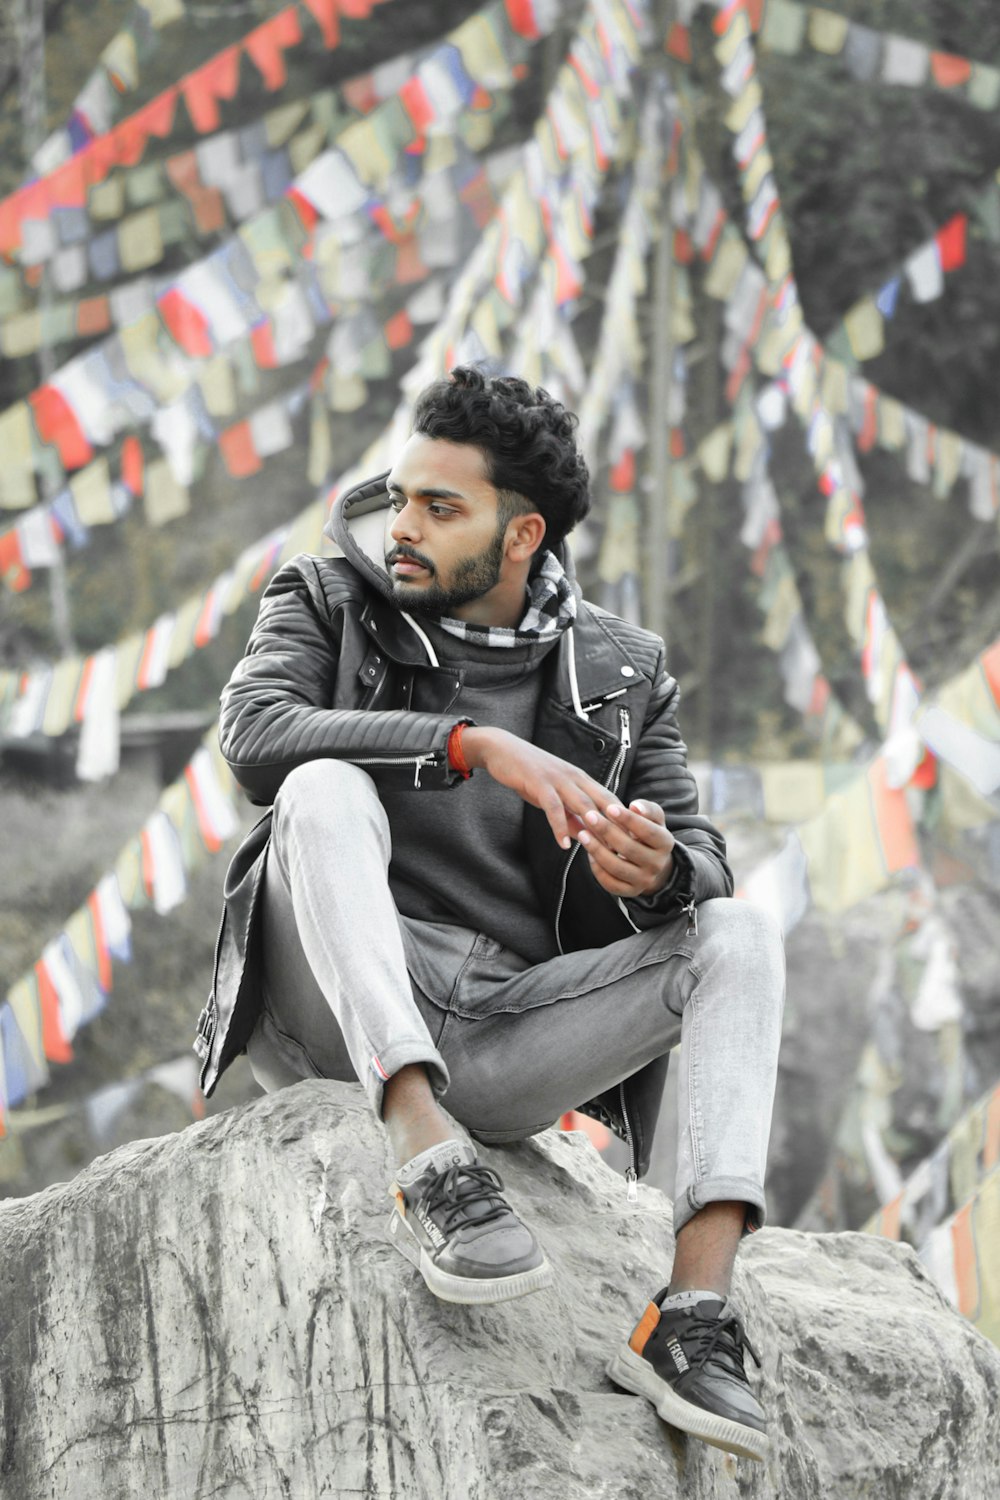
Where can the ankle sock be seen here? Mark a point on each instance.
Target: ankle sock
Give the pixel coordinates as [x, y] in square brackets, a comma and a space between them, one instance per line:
[440, 1156]
[689, 1299]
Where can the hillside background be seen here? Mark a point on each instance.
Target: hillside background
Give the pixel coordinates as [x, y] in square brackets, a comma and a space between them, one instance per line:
[866, 172]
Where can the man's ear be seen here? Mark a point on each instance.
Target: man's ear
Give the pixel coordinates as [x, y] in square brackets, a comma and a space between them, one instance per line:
[525, 535]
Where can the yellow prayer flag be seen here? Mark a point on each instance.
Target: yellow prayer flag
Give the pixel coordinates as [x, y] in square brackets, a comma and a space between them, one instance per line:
[865, 329]
[140, 240]
[619, 552]
[17, 485]
[476, 131]
[834, 387]
[714, 451]
[743, 107]
[62, 693]
[22, 998]
[164, 498]
[181, 642]
[484, 323]
[121, 58]
[961, 805]
[842, 849]
[761, 164]
[482, 53]
[320, 444]
[827, 31]
[128, 870]
[21, 334]
[986, 1235]
[305, 147]
[91, 491]
[947, 463]
[733, 37]
[749, 441]
[793, 790]
[724, 272]
[163, 12]
[106, 200]
[347, 392]
[783, 608]
[859, 581]
[361, 145]
[128, 654]
[281, 124]
[215, 378]
[891, 423]
[777, 250]
[968, 698]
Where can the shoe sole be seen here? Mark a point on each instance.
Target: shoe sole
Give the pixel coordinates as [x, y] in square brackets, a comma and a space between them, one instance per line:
[465, 1289]
[633, 1373]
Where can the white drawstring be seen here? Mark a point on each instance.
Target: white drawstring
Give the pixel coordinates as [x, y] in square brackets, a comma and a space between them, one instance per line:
[427, 645]
[574, 686]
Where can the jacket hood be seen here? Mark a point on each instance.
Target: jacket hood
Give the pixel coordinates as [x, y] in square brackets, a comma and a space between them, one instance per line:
[356, 527]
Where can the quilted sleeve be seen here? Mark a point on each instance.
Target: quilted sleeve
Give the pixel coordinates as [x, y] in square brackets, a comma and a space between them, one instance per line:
[276, 714]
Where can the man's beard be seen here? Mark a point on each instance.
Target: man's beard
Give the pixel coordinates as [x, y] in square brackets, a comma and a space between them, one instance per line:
[473, 577]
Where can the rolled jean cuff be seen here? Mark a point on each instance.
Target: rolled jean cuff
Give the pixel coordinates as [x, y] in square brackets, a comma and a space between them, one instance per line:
[382, 1066]
[723, 1190]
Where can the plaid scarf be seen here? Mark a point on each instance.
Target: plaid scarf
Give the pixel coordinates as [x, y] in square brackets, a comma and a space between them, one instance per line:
[551, 608]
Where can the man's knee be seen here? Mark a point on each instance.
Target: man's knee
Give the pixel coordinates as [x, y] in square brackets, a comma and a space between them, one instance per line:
[743, 935]
[322, 792]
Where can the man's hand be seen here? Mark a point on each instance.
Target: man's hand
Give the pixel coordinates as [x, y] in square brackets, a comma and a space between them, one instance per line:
[630, 849]
[565, 794]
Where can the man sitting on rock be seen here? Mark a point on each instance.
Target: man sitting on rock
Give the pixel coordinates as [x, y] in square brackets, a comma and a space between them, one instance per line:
[484, 883]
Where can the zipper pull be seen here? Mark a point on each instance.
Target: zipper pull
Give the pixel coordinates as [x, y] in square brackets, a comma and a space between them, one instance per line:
[623, 716]
[692, 916]
[421, 761]
[632, 1193]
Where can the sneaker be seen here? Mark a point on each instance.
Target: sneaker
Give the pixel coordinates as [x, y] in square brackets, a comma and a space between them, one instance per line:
[452, 1222]
[689, 1362]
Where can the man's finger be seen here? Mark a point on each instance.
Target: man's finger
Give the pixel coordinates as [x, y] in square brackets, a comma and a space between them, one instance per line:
[616, 885]
[645, 830]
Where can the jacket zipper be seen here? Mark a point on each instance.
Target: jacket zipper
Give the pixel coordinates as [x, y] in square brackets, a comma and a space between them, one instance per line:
[614, 776]
[632, 1170]
[416, 761]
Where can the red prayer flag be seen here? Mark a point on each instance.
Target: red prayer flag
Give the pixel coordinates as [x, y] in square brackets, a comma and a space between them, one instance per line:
[12, 570]
[57, 424]
[951, 242]
[93, 315]
[326, 15]
[949, 71]
[266, 44]
[104, 978]
[893, 820]
[67, 185]
[622, 476]
[413, 97]
[678, 43]
[217, 79]
[398, 330]
[54, 1042]
[262, 344]
[990, 663]
[186, 324]
[521, 15]
[132, 465]
[238, 452]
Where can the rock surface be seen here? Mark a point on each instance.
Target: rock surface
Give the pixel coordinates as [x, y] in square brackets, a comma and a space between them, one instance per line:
[218, 1313]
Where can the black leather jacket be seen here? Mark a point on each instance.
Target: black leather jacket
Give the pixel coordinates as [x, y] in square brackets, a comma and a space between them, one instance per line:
[329, 671]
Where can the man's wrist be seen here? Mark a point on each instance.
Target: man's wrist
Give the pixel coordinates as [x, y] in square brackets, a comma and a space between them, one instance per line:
[476, 742]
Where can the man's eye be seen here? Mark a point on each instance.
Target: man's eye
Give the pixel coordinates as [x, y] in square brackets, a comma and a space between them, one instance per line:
[440, 510]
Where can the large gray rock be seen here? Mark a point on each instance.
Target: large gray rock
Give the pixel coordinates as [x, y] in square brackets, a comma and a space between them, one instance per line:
[218, 1313]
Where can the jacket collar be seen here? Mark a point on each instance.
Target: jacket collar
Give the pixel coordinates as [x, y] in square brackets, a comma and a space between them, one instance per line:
[603, 666]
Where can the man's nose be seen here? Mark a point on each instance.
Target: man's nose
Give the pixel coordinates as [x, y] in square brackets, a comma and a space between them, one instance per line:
[405, 524]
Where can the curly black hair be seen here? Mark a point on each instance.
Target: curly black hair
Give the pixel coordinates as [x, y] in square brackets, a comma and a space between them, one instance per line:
[527, 438]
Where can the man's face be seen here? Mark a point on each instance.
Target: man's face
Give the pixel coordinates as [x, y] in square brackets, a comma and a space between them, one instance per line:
[444, 545]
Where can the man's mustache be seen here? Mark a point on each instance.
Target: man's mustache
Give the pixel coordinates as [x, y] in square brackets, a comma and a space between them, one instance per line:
[399, 553]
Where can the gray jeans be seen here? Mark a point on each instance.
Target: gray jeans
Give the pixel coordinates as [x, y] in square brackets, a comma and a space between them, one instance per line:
[354, 991]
